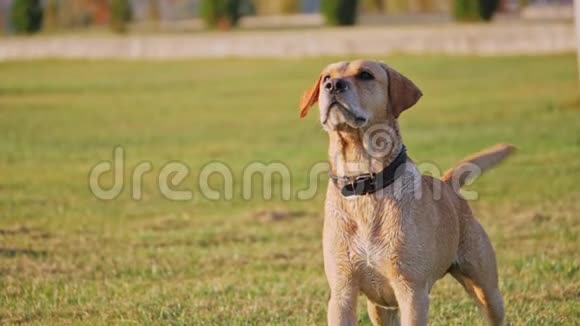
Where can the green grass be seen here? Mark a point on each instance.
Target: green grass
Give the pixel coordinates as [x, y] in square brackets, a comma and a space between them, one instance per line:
[67, 257]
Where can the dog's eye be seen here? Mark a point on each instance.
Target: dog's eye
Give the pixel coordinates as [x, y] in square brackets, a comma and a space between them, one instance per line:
[365, 75]
[327, 77]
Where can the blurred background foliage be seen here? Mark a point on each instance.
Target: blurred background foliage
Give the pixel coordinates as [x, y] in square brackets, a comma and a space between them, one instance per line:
[221, 13]
[31, 16]
[120, 15]
[276, 7]
[340, 12]
[26, 16]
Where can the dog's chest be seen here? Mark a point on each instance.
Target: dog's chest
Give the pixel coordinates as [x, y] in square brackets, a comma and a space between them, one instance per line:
[370, 253]
[366, 230]
[368, 247]
[369, 231]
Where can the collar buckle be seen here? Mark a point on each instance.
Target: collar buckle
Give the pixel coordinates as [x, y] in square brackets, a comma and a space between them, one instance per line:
[361, 185]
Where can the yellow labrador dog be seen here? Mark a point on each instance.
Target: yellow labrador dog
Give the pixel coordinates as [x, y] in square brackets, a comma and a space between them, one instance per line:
[390, 232]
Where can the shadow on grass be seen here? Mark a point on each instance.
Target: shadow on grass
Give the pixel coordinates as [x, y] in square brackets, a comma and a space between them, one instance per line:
[572, 104]
[13, 252]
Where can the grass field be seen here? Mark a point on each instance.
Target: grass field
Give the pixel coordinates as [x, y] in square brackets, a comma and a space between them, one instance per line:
[67, 257]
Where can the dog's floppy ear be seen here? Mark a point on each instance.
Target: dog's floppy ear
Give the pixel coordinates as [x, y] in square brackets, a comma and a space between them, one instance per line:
[402, 92]
[309, 97]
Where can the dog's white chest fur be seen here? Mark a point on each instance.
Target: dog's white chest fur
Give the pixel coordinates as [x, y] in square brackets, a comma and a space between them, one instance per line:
[370, 256]
[367, 250]
[370, 249]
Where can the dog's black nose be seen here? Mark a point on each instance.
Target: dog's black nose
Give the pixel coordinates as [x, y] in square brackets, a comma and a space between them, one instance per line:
[335, 86]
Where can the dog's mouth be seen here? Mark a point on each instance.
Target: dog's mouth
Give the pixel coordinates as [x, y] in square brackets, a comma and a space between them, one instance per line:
[350, 117]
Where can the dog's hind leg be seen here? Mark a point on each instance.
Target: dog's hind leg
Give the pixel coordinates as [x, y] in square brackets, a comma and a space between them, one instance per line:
[380, 316]
[476, 270]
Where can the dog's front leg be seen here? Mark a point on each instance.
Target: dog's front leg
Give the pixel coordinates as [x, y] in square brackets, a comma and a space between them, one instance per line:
[342, 305]
[414, 306]
[343, 288]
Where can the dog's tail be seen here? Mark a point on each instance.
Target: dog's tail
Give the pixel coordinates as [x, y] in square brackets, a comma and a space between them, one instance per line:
[478, 163]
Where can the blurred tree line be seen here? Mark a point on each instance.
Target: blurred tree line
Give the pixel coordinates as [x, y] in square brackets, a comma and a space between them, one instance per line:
[30, 16]
[226, 13]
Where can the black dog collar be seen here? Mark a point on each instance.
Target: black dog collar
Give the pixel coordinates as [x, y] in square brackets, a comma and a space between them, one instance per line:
[369, 183]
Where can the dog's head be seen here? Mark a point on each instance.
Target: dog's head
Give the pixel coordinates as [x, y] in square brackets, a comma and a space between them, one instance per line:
[359, 93]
